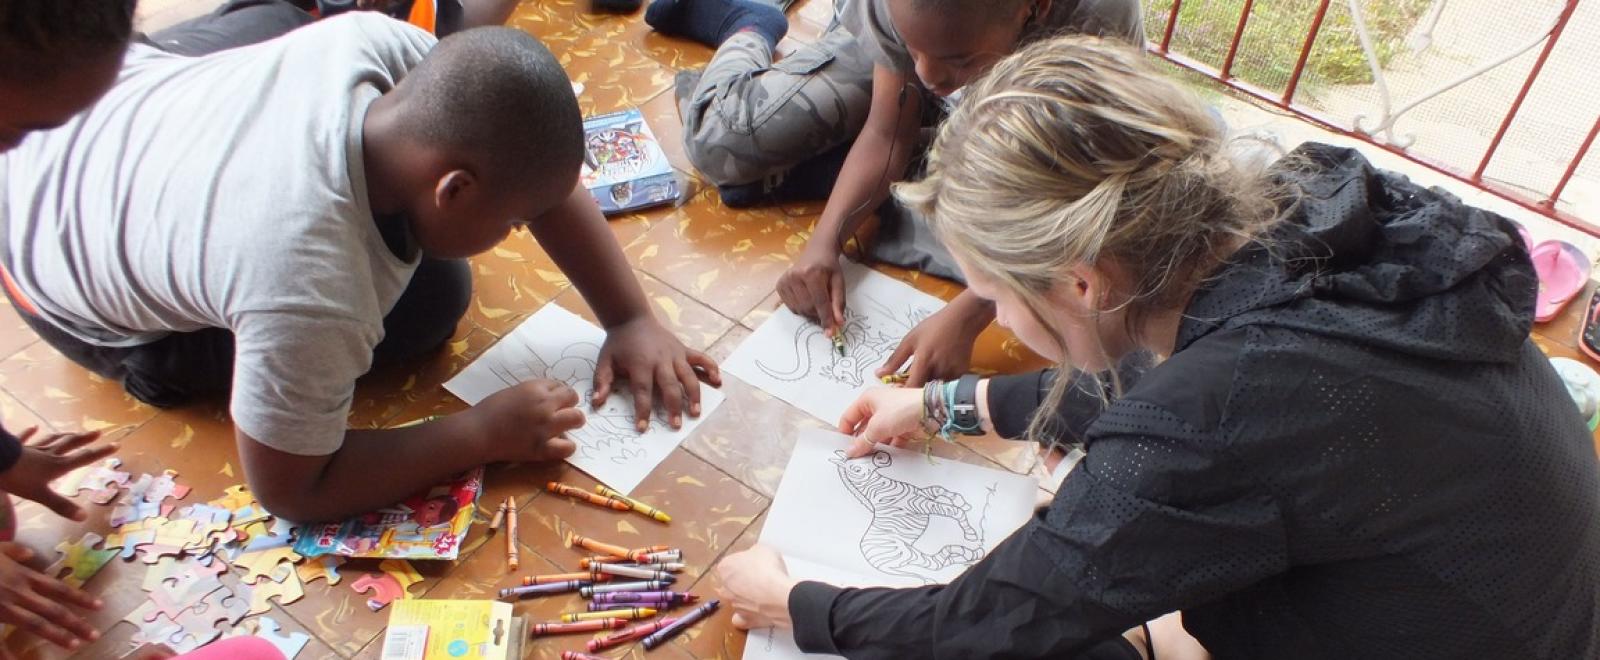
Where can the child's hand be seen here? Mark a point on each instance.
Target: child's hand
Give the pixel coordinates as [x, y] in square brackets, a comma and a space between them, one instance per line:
[40, 604]
[524, 422]
[814, 286]
[941, 344]
[652, 360]
[44, 460]
[890, 415]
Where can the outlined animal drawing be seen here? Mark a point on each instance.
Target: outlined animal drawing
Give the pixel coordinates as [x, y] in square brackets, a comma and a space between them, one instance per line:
[607, 432]
[901, 513]
[867, 345]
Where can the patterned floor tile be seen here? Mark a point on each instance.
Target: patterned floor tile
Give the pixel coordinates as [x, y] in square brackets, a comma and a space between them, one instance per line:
[67, 396]
[15, 335]
[695, 324]
[382, 394]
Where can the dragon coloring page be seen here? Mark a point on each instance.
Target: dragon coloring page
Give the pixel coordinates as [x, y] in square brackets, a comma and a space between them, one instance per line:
[559, 345]
[791, 358]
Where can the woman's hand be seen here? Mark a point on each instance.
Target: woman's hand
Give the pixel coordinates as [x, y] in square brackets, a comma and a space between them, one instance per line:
[756, 584]
[46, 459]
[891, 415]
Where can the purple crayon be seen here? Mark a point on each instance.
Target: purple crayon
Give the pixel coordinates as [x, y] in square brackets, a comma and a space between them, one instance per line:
[543, 589]
[694, 616]
[631, 597]
[658, 605]
[651, 585]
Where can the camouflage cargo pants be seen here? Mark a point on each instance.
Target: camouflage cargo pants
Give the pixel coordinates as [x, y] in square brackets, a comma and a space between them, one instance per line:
[747, 118]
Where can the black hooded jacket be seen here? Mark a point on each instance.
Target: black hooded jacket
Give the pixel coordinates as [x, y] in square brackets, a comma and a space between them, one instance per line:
[1355, 451]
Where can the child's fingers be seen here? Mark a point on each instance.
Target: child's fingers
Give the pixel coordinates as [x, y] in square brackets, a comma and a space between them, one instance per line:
[61, 505]
[822, 304]
[707, 368]
[603, 376]
[45, 619]
[897, 359]
[671, 394]
[73, 441]
[836, 292]
[917, 376]
[691, 384]
[88, 455]
[27, 433]
[65, 594]
[643, 390]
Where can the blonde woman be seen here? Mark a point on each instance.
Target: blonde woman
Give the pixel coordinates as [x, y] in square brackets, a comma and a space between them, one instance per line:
[1351, 448]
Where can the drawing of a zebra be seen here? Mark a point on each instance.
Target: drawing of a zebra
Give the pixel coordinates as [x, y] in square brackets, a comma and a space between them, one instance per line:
[901, 513]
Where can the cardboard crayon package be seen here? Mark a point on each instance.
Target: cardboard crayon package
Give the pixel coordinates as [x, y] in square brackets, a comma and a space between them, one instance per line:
[448, 629]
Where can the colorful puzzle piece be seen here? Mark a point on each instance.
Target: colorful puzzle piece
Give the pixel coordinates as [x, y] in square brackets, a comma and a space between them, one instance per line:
[262, 563]
[132, 535]
[198, 624]
[171, 568]
[238, 500]
[102, 481]
[182, 590]
[172, 536]
[324, 567]
[402, 572]
[289, 645]
[81, 559]
[284, 584]
[153, 628]
[210, 522]
[384, 589]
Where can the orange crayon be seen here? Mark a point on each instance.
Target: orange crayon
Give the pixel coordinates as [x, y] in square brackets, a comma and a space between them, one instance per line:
[597, 547]
[511, 532]
[586, 576]
[586, 496]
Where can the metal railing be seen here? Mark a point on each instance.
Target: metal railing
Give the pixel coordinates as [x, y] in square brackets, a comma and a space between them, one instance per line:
[1536, 179]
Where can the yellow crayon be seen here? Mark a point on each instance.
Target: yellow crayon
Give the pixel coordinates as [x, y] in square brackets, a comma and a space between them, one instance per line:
[632, 613]
[894, 379]
[641, 507]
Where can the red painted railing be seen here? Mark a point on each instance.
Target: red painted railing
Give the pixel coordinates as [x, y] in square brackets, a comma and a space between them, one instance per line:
[1545, 199]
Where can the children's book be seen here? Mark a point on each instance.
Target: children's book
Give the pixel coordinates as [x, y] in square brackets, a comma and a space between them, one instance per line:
[428, 525]
[623, 165]
[450, 629]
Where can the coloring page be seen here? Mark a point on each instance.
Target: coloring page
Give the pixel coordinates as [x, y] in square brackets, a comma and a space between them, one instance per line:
[557, 344]
[892, 518]
[789, 356]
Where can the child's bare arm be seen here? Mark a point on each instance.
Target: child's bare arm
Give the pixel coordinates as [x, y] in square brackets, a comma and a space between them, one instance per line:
[376, 468]
[814, 287]
[637, 347]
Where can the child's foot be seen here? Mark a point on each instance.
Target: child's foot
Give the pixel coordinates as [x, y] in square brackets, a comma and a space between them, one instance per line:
[711, 22]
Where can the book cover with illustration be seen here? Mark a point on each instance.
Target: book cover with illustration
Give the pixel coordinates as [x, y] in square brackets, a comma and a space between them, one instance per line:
[623, 165]
[428, 525]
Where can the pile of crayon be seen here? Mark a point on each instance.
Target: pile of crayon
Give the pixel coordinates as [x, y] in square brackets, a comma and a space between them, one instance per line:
[626, 588]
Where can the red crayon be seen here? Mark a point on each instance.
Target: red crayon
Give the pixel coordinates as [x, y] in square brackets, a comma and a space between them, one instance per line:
[574, 655]
[628, 635]
[594, 625]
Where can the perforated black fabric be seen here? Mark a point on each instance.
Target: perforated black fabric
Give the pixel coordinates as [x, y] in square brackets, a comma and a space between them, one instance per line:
[1354, 452]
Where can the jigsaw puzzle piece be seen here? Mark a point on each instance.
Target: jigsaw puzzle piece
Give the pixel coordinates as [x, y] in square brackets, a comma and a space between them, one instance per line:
[81, 558]
[383, 589]
[180, 592]
[262, 563]
[198, 624]
[402, 572]
[324, 567]
[165, 486]
[242, 504]
[132, 510]
[103, 481]
[131, 536]
[172, 536]
[284, 584]
[278, 535]
[152, 627]
[289, 645]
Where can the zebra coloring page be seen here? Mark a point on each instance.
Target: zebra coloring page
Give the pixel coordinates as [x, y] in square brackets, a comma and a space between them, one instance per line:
[892, 518]
[791, 358]
[557, 344]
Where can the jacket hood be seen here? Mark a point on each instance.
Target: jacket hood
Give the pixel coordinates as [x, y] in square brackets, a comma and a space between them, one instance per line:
[1368, 256]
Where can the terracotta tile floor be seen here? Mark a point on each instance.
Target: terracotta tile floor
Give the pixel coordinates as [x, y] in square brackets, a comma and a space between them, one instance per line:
[709, 272]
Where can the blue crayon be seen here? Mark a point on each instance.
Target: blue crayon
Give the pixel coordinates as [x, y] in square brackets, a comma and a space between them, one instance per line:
[694, 616]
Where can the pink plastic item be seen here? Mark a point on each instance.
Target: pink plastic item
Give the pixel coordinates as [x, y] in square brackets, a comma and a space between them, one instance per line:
[235, 648]
[1563, 271]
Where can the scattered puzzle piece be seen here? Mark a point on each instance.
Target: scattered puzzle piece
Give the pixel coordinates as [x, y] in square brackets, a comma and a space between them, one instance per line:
[132, 535]
[322, 567]
[210, 522]
[402, 572]
[81, 559]
[183, 589]
[284, 584]
[383, 588]
[198, 624]
[172, 536]
[264, 562]
[238, 500]
[153, 628]
[289, 645]
[170, 568]
[102, 481]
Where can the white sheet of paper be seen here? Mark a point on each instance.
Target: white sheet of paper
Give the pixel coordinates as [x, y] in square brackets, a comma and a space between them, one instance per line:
[846, 522]
[789, 356]
[557, 344]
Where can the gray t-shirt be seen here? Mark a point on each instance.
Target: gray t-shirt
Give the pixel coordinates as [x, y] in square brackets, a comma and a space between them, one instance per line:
[224, 191]
[870, 22]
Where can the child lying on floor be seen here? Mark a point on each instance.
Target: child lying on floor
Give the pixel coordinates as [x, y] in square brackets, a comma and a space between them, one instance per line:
[307, 220]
